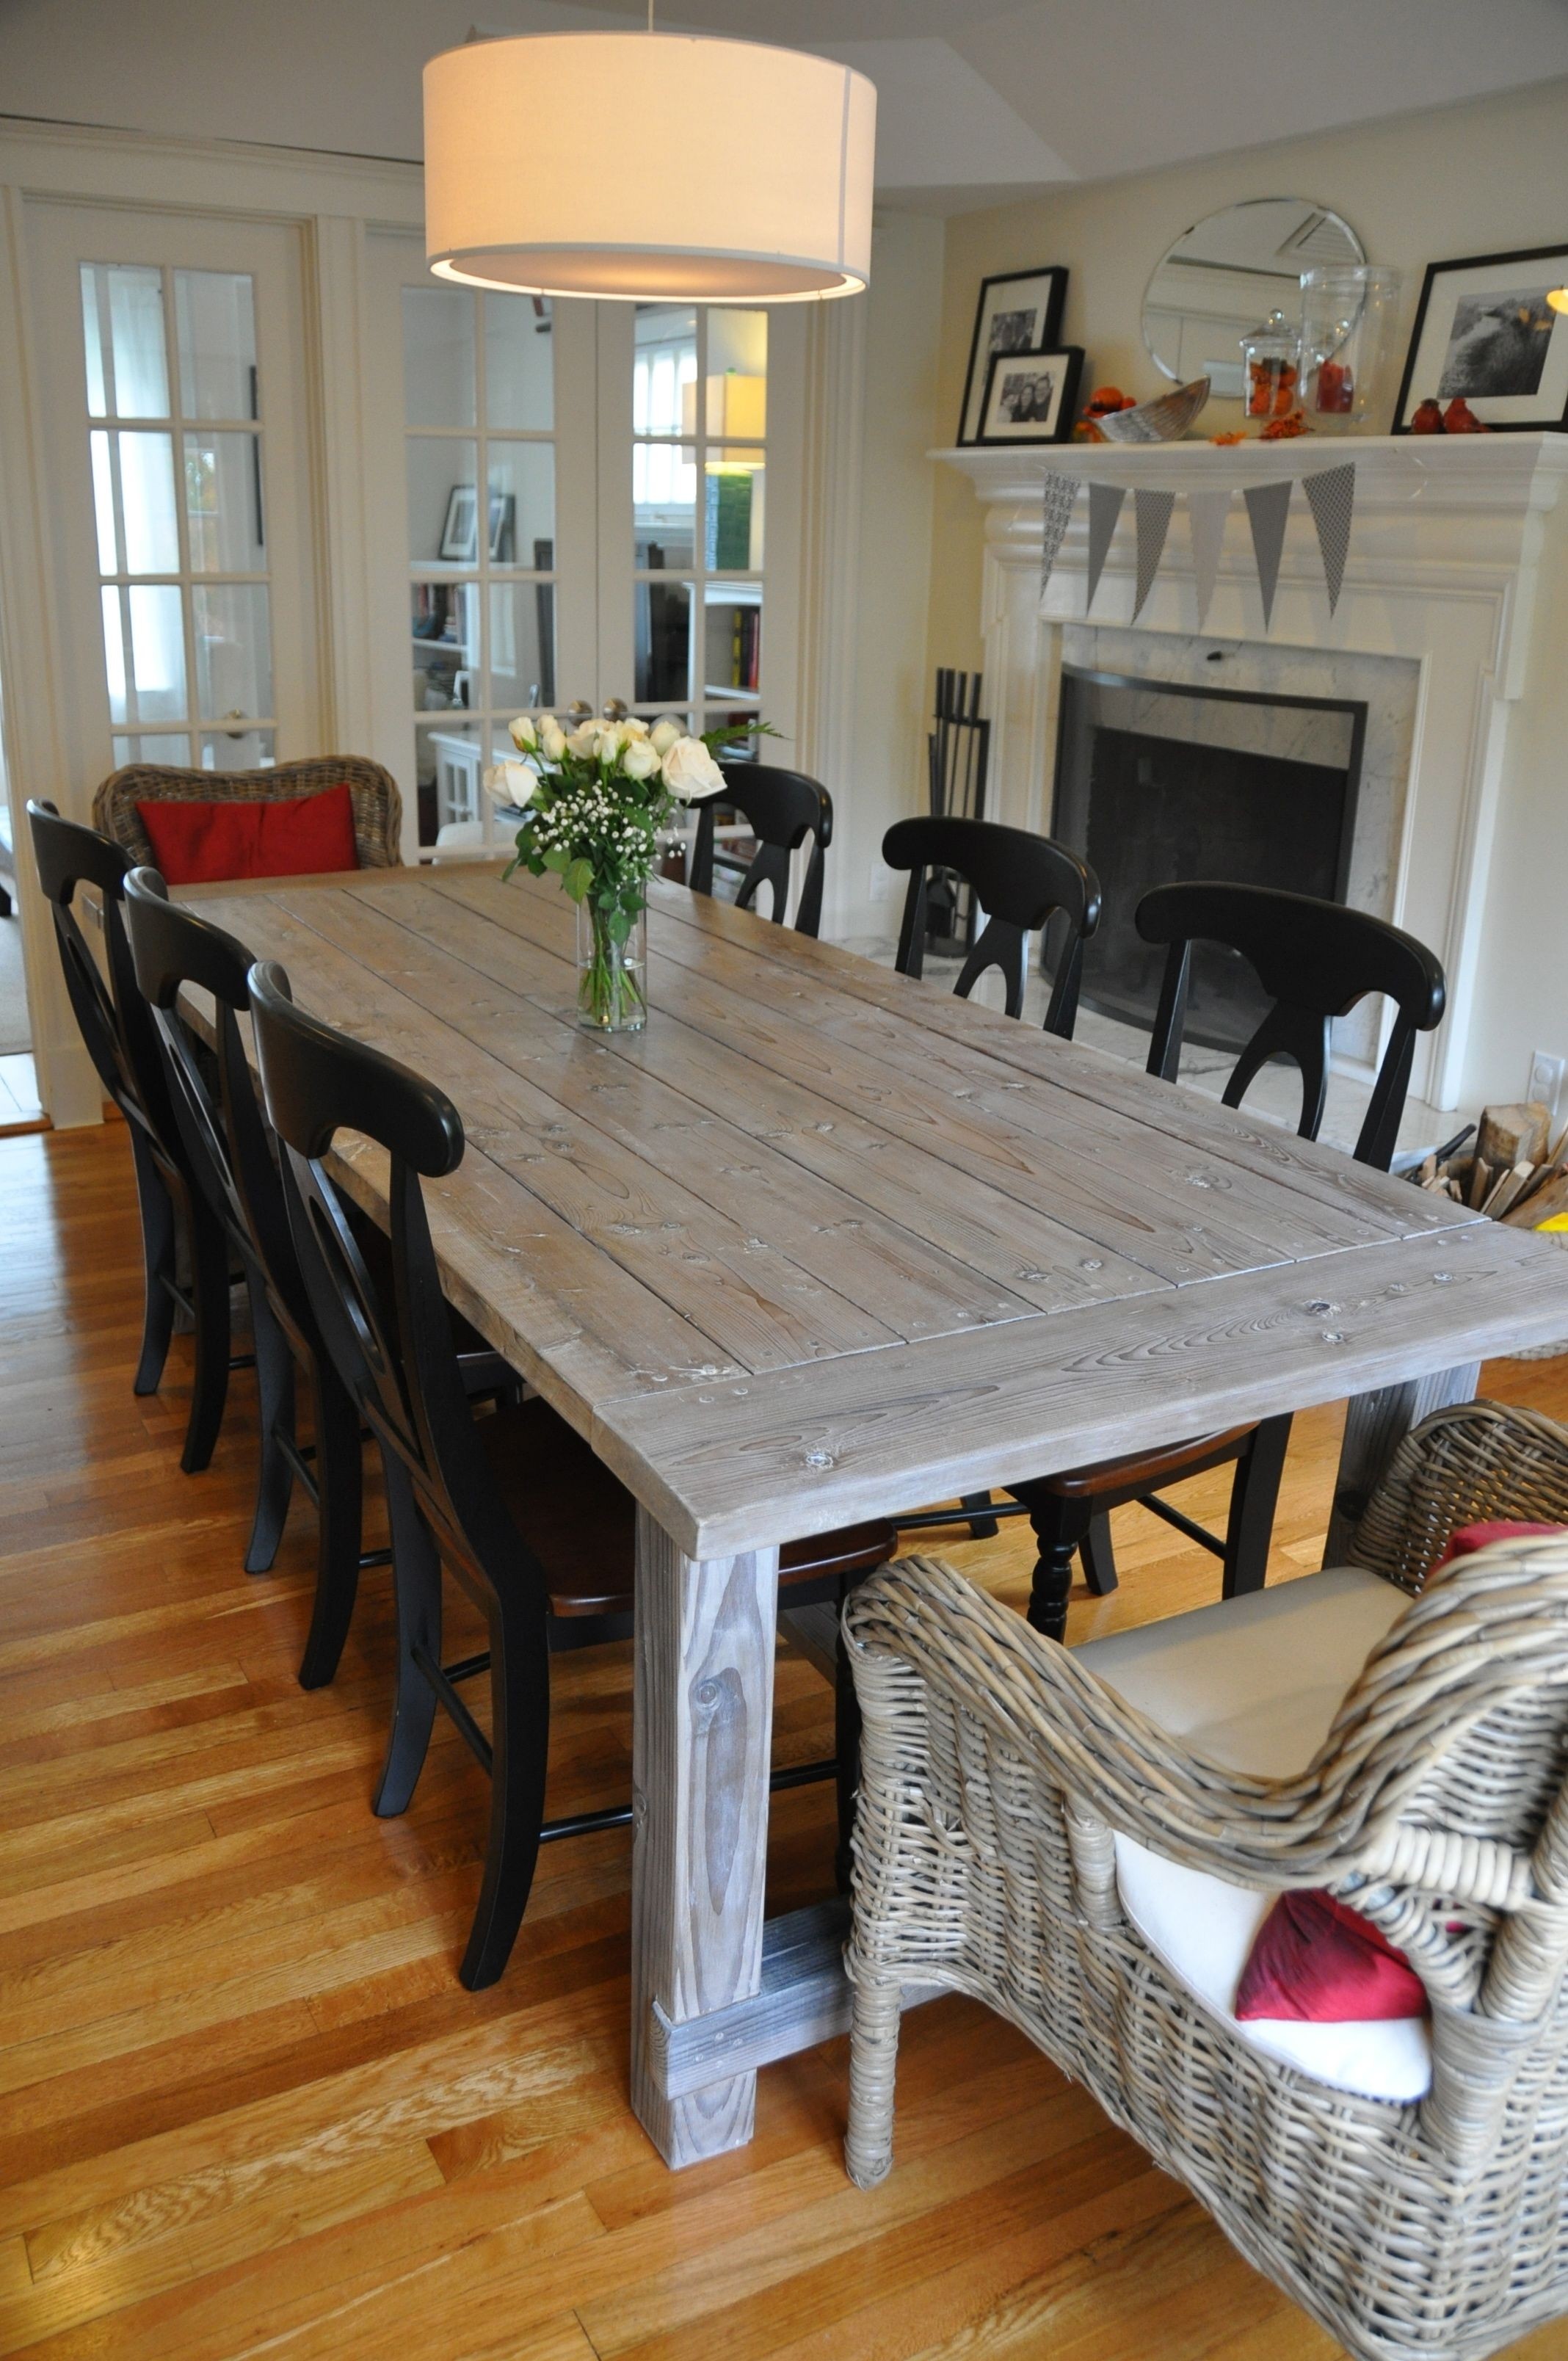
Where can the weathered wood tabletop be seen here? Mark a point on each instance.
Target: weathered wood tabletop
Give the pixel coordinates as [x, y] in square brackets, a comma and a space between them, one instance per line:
[823, 1243]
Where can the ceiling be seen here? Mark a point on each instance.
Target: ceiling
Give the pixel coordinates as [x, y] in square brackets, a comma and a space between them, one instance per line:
[978, 99]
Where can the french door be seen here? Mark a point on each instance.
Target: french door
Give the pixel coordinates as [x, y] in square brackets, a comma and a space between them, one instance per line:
[581, 502]
[181, 471]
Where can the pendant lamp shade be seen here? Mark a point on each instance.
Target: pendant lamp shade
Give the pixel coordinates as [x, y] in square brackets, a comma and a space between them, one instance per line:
[652, 166]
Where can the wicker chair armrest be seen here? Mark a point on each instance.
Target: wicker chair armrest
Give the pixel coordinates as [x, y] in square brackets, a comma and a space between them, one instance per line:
[1337, 1823]
[1470, 1463]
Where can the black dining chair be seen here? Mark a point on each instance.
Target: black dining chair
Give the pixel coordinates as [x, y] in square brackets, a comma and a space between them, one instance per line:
[783, 807]
[234, 1165]
[1316, 961]
[513, 1504]
[116, 1027]
[1020, 882]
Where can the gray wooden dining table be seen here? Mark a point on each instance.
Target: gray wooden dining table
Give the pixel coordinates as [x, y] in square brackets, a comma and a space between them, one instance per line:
[823, 1243]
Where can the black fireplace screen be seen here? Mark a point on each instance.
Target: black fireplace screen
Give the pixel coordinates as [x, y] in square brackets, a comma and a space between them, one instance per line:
[1157, 782]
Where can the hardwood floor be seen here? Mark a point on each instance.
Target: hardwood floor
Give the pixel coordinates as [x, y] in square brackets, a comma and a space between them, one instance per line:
[246, 2107]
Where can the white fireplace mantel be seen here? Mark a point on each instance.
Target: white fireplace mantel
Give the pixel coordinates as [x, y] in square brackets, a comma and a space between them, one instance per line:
[1452, 537]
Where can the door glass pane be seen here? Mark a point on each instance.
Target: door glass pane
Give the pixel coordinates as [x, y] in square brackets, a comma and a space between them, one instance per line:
[225, 519]
[737, 374]
[150, 543]
[664, 375]
[144, 652]
[522, 649]
[450, 758]
[438, 357]
[170, 751]
[237, 749]
[732, 655]
[443, 522]
[233, 650]
[214, 323]
[122, 318]
[733, 493]
[445, 619]
[664, 504]
[520, 364]
[523, 503]
[662, 640]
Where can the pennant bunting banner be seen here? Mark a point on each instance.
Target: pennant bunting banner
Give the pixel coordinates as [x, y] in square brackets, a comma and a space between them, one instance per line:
[1206, 514]
[1104, 508]
[1060, 493]
[1151, 513]
[1331, 498]
[1268, 511]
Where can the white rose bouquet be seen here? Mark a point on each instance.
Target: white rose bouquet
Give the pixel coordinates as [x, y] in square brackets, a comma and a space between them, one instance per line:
[594, 801]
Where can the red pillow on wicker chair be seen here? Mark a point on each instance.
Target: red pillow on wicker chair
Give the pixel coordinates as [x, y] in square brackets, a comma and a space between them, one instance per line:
[1316, 1962]
[208, 843]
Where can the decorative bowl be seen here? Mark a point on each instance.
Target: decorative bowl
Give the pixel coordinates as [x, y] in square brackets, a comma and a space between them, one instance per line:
[1157, 422]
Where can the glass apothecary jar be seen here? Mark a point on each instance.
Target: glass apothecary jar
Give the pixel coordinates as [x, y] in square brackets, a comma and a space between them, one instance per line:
[1271, 367]
[1349, 315]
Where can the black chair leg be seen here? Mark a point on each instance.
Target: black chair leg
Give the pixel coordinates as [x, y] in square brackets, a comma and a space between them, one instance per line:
[520, 1740]
[1059, 1527]
[416, 1585]
[339, 1472]
[1098, 1555]
[982, 1527]
[275, 1388]
[1254, 1494]
[157, 1230]
[209, 1300]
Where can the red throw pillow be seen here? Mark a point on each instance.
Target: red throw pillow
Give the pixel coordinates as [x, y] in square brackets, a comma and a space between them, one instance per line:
[1470, 1537]
[206, 843]
[1315, 1962]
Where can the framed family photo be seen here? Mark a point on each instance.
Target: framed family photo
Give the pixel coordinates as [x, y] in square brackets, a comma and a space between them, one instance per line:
[1019, 311]
[1031, 397]
[1487, 331]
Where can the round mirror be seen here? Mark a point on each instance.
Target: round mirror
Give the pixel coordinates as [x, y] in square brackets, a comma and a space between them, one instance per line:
[1228, 272]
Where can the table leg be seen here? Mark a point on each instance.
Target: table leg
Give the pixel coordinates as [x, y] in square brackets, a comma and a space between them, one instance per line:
[702, 1731]
[1376, 1424]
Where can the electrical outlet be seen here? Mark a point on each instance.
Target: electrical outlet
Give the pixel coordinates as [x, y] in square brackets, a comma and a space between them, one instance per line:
[881, 881]
[1546, 1079]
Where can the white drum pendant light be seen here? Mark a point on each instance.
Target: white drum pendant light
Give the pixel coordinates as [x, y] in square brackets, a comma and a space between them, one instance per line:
[652, 166]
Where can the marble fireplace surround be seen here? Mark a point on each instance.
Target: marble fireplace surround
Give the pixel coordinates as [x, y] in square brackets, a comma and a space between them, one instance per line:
[1432, 632]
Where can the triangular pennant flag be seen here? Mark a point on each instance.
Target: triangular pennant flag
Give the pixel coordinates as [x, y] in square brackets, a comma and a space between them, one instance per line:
[1332, 497]
[1104, 508]
[1206, 514]
[1060, 493]
[1151, 513]
[1268, 510]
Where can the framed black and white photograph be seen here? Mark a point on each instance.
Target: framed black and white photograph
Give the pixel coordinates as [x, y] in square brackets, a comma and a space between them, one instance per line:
[1488, 332]
[1030, 397]
[1020, 312]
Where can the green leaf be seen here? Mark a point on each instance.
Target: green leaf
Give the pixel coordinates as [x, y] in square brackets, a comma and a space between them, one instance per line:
[558, 859]
[577, 878]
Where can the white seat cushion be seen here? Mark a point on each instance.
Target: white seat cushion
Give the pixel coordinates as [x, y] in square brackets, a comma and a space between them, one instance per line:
[1254, 1684]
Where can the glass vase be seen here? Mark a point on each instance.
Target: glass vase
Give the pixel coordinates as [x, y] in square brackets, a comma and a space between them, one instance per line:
[611, 977]
[1349, 315]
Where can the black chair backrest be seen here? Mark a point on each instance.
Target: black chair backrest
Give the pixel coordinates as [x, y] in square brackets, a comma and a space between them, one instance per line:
[225, 1136]
[398, 1361]
[1019, 881]
[1315, 960]
[783, 808]
[115, 1020]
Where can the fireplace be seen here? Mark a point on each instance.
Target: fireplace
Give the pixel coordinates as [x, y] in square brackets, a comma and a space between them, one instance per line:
[1157, 781]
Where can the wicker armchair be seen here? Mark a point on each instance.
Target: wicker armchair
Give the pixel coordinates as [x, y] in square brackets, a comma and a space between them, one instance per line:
[378, 805]
[1012, 1795]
